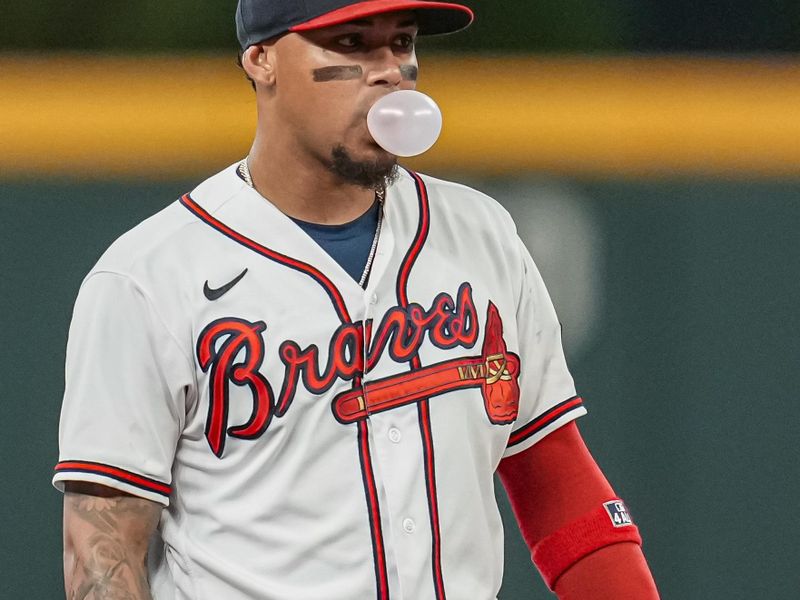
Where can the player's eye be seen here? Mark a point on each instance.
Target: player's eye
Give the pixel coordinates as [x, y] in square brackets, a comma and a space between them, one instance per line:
[350, 41]
[404, 41]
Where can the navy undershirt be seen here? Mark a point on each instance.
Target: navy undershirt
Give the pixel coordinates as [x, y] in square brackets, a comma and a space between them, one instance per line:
[348, 244]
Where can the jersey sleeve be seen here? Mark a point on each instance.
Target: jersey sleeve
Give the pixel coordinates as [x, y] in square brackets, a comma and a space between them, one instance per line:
[547, 392]
[126, 387]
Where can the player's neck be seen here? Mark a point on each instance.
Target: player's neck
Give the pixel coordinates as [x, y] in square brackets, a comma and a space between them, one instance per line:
[302, 187]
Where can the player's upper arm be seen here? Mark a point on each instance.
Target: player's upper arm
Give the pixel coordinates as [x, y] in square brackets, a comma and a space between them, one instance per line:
[106, 537]
[127, 391]
[548, 399]
[553, 483]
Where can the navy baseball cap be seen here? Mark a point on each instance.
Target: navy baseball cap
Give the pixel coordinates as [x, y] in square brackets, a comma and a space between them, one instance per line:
[259, 20]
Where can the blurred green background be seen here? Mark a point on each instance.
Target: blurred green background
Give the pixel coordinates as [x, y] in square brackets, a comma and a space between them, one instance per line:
[678, 293]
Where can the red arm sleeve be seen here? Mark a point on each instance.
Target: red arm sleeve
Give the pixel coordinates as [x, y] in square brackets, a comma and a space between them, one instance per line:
[552, 484]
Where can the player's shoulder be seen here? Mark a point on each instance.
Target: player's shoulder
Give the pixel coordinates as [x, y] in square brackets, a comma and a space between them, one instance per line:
[466, 204]
[169, 235]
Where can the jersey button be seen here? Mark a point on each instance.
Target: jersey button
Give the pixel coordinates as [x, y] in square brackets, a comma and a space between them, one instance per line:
[395, 435]
[373, 299]
[409, 526]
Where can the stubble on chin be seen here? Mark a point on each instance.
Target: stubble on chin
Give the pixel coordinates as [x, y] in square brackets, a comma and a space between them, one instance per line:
[370, 174]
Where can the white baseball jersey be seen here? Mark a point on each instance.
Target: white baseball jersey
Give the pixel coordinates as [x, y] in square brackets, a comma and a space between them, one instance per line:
[310, 439]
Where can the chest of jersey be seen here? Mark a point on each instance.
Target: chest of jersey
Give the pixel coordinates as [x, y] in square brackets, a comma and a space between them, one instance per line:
[310, 387]
[291, 329]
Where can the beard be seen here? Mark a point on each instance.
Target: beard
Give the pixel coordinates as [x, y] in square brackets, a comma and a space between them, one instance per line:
[369, 174]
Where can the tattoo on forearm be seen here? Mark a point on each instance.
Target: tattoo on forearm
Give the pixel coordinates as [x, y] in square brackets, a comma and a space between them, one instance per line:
[112, 564]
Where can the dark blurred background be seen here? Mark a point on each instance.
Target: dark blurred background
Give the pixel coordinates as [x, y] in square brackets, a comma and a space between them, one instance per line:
[545, 25]
[649, 151]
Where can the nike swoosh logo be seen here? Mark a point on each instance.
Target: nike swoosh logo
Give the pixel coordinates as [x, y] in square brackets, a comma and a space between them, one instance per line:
[217, 293]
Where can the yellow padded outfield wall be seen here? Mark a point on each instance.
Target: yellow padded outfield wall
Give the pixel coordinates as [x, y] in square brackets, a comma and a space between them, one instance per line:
[163, 117]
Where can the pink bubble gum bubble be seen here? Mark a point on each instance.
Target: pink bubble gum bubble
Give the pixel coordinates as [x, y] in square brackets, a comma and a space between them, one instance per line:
[405, 123]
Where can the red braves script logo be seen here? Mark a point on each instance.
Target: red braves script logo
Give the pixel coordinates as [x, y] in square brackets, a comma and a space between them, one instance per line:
[233, 349]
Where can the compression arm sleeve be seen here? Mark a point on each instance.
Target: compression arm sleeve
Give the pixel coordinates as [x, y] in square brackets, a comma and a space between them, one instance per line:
[556, 488]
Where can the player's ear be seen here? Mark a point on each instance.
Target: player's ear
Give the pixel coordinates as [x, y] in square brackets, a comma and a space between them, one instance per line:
[258, 61]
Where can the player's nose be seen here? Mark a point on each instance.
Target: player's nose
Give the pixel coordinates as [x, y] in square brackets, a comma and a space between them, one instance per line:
[385, 70]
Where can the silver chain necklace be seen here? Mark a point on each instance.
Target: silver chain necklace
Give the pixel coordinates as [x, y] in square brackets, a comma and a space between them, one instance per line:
[244, 171]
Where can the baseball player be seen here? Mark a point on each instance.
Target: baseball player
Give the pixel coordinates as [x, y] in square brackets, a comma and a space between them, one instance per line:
[297, 381]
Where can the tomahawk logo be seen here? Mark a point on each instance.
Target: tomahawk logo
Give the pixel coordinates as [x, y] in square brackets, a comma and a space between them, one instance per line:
[232, 350]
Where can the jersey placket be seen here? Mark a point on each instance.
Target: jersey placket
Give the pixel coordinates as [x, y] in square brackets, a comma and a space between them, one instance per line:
[397, 441]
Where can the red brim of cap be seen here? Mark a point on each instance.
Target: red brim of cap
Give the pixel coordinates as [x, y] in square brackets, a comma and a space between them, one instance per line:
[433, 17]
